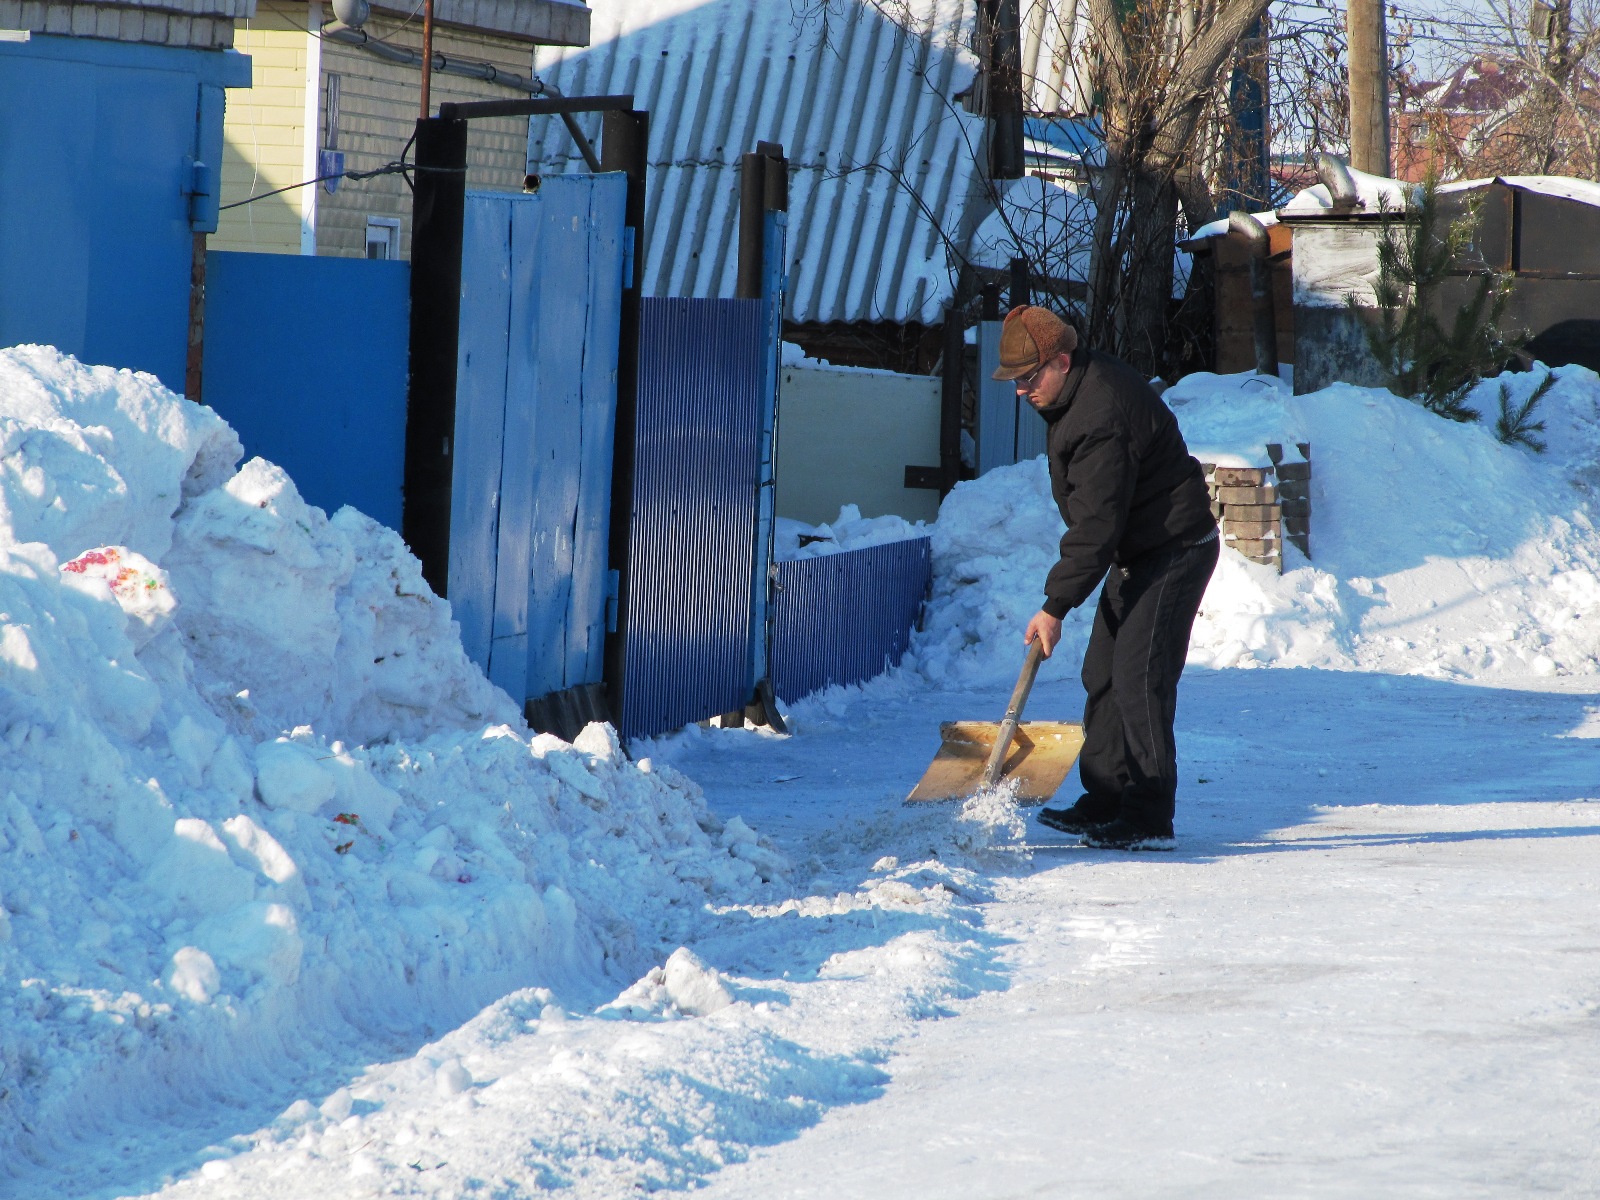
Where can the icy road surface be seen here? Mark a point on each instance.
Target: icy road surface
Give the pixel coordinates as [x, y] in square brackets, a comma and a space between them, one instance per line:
[1371, 968]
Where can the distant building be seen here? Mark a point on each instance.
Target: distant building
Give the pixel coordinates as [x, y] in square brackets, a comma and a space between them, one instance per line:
[329, 98]
[1438, 121]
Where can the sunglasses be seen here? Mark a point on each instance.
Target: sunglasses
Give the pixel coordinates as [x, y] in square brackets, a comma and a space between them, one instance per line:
[1025, 383]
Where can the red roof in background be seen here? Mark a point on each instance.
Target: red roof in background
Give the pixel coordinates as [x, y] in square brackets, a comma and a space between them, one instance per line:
[1479, 86]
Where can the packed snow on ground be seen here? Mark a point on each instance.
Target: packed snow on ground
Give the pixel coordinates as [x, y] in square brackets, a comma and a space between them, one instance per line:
[291, 904]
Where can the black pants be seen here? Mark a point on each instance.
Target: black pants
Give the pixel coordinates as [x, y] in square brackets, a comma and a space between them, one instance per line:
[1136, 652]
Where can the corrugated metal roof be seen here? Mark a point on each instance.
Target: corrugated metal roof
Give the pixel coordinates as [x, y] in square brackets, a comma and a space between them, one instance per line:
[1056, 79]
[881, 156]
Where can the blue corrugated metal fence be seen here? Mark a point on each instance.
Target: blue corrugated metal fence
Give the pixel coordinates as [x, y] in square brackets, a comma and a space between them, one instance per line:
[695, 491]
[845, 618]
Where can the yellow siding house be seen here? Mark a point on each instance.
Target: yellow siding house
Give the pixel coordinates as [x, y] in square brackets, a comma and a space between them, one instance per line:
[318, 101]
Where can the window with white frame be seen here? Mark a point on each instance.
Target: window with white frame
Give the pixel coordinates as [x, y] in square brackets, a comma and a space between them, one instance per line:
[383, 237]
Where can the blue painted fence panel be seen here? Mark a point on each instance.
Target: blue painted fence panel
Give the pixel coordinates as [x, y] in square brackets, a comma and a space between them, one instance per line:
[845, 618]
[695, 491]
[478, 453]
[306, 358]
[536, 394]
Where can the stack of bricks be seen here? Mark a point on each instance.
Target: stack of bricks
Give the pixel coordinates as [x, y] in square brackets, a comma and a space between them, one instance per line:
[1257, 507]
[1294, 494]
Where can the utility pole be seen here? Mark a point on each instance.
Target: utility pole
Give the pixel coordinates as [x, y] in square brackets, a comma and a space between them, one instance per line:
[1369, 86]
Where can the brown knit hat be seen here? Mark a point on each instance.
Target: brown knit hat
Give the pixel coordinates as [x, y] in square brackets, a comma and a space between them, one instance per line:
[1030, 336]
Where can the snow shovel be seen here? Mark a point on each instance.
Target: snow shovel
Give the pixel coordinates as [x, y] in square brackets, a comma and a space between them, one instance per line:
[979, 754]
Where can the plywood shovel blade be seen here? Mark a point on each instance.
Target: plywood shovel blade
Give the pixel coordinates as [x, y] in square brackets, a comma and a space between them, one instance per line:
[1042, 752]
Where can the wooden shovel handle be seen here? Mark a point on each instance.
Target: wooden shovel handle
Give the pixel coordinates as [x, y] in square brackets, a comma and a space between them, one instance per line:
[1013, 717]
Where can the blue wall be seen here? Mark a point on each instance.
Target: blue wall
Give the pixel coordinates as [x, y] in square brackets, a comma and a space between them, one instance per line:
[306, 358]
[98, 203]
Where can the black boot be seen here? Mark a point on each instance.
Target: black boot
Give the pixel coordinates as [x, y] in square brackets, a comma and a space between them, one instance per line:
[1086, 814]
[1123, 834]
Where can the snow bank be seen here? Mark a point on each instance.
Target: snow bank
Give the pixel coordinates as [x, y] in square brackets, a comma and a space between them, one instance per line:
[850, 531]
[255, 797]
[1436, 549]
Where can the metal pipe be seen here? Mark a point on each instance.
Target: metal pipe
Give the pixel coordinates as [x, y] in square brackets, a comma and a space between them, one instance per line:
[427, 54]
[1334, 174]
[488, 72]
[1265, 328]
[439, 216]
[951, 379]
[752, 227]
[623, 140]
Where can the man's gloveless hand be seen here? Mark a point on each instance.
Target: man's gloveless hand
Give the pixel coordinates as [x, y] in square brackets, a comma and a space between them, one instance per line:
[1046, 629]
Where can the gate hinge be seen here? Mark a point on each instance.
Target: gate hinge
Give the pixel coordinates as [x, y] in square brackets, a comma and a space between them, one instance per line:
[613, 597]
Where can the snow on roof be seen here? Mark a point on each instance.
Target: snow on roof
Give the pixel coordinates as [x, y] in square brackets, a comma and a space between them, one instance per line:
[1220, 226]
[1046, 220]
[881, 158]
[1563, 187]
[1373, 192]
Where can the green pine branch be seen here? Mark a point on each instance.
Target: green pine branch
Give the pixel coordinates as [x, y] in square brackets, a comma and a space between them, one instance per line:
[1424, 360]
[1516, 425]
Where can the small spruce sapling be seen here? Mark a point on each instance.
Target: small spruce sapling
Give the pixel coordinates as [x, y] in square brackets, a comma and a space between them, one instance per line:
[1516, 425]
[1424, 360]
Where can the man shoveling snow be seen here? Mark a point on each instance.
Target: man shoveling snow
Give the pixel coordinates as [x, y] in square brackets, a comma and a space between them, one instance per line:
[1138, 516]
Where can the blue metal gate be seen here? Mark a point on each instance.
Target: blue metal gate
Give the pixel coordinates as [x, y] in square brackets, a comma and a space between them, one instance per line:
[328, 409]
[536, 400]
[696, 492]
[845, 618]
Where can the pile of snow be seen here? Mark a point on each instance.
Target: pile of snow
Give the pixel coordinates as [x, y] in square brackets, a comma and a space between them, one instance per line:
[1243, 416]
[1436, 549]
[253, 793]
[849, 531]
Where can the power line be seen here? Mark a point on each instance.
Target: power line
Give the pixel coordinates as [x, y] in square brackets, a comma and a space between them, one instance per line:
[394, 168]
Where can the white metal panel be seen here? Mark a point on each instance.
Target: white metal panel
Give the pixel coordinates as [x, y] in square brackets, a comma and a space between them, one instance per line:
[1055, 68]
[847, 436]
[1334, 261]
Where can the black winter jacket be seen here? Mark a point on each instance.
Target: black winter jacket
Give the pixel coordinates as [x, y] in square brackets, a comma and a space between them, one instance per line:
[1121, 475]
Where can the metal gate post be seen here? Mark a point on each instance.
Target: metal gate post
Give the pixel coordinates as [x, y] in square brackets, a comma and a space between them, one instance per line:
[763, 253]
[624, 135]
[438, 216]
